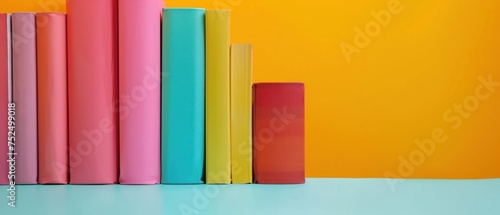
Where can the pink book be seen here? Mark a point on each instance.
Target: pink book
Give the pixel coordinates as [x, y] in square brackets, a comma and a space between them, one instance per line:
[93, 91]
[25, 96]
[139, 30]
[5, 73]
[52, 99]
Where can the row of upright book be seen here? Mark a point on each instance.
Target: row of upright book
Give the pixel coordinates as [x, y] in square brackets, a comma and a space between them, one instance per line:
[130, 92]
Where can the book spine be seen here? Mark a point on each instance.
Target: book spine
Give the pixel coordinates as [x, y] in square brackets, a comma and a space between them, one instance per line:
[5, 73]
[278, 133]
[139, 32]
[241, 113]
[93, 91]
[183, 113]
[52, 99]
[218, 165]
[25, 95]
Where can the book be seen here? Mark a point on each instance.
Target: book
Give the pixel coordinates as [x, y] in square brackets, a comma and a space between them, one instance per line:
[93, 91]
[278, 133]
[25, 96]
[139, 45]
[183, 93]
[241, 113]
[218, 166]
[5, 94]
[52, 98]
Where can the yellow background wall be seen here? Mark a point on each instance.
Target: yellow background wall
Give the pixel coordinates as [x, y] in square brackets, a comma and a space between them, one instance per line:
[400, 86]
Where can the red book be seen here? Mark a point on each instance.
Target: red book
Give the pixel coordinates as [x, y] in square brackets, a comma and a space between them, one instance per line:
[5, 73]
[278, 133]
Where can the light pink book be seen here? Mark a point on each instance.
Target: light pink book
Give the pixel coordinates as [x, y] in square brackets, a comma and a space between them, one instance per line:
[93, 91]
[25, 96]
[139, 30]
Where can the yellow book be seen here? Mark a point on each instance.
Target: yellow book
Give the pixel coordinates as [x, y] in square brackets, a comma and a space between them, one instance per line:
[218, 154]
[241, 113]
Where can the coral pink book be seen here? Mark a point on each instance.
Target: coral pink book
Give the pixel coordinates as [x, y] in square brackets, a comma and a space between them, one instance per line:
[52, 99]
[5, 73]
[278, 133]
[24, 74]
[93, 91]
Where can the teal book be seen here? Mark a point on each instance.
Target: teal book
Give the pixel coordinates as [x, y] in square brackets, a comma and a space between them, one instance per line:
[183, 96]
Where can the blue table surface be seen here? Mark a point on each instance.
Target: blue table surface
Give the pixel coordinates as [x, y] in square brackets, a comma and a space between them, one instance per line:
[317, 196]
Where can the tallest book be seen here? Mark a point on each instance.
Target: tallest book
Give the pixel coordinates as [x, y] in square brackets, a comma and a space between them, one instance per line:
[92, 89]
[139, 25]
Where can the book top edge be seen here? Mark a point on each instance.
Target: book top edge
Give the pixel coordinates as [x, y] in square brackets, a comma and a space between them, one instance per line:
[34, 13]
[219, 10]
[242, 44]
[51, 13]
[183, 8]
[23, 13]
[278, 83]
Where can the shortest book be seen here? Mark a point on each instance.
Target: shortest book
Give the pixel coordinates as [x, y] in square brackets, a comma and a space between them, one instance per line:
[278, 133]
